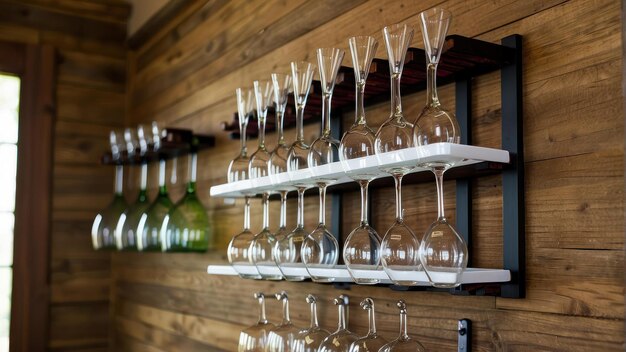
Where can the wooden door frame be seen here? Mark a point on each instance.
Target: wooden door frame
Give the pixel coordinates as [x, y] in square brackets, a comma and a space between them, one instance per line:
[35, 65]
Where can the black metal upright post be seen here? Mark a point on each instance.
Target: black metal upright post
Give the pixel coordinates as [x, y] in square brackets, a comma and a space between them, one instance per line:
[513, 207]
[464, 185]
[336, 198]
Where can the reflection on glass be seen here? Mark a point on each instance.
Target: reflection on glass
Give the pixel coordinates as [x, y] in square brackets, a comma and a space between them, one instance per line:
[239, 255]
[238, 168]
[149, 226]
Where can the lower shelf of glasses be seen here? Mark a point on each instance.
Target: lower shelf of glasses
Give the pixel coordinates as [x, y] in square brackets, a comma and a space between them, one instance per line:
[340, 274]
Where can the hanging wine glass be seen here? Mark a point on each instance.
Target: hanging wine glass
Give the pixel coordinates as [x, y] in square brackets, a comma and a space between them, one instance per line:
[149, 226]
[361, 251]
[282, 338]
[340, 340]
[125, 231]
[105, 222]
[320, 248]
[238, 168]
[443, 252]
[254, 338]
[278, 159]
[404, 343]
[239, 248]
[372, 341]
[309, 340]
[263, 243]
[400, 244]
[287, 250]
[186, 227]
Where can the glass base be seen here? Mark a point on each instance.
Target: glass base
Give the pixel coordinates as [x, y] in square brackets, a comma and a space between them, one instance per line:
[295, 278]
[323, 279]
[247, 276]
[365, 281]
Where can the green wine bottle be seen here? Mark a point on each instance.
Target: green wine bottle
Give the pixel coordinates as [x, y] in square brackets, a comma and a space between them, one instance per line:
[186, 227]
[148, 238]
[104, 224]
[126, 229]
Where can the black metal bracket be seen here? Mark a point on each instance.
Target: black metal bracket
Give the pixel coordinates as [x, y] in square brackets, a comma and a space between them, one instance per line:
[464, 334]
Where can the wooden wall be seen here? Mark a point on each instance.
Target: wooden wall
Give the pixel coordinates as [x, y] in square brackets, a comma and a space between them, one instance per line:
[90, 94]
[186, 74]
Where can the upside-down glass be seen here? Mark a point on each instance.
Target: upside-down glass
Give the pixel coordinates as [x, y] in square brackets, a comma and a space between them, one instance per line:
[309, 340]
[186, 227]
[320, 248]
[238, 167]
[278, 158]
[105, 222]
[372, 341]
[340, 340]
[443, 252]
[239, 248]
[400, 244]
[361, 251]
[404, 343]
[282, 337]
[263, 243]
[254, 338]
[125, 231]
[287, 249]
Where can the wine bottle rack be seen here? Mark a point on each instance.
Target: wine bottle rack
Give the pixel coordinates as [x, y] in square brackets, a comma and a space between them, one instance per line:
[463, 59]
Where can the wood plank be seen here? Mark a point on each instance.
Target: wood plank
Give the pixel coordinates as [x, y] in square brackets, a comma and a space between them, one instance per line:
[104, 107]
[20, 34]
[80, 280]
[93, 71]
[116, 11]
[78, 325]
[82, 44]
[80, 143]
[72, 239]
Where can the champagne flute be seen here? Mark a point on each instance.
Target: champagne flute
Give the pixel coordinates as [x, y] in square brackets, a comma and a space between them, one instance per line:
[400, 244]
[309, 340]
[361, 250]
[282, 338]
[443, 252]
[254, 338]
[263, 243]
[372, 341]
[104, 224]
[287, 250]
[238, 167]
[320, 248]
[340, 340]
[404, 343]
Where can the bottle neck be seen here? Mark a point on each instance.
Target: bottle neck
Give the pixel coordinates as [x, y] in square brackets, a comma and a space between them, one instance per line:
[193, 170]
[162, 187]
[143, 181]
[432, 100]
[119, 180]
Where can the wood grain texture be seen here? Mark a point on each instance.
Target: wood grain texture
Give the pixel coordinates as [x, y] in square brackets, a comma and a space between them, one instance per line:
[574, 142]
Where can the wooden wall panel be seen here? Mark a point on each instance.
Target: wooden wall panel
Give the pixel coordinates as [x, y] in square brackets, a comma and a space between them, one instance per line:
[91, 81]
[574, 148]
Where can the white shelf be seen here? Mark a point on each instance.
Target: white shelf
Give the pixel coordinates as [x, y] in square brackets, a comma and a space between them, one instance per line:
[458, 154]
[340, 274]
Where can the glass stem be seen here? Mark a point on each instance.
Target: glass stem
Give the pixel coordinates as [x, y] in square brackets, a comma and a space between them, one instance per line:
[403, 330]
[162, 188]
[143, 182]
[397, 178]
[262, 317]
[326, 104]
[364, 204]
[432, 99]
[246, 213]
[343, 319]
[322, 217]
[314, 322]
[359, 108]
[266, 212]
[396, 101]
[438, 171]
[261, 122]
[280, 117]
[193, 170]
[283, 209]
[174, 175]
[242, 138]
[286, 319]
[299, 122]
[119, 180]
[372, 321]
[300, 219]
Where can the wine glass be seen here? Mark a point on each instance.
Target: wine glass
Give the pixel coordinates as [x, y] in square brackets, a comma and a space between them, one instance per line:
[278, 158]
[104, 224]
[287, 249]
[238, 168]
[263, 243]
[361, 251]
[254, 338]
[443, 252]
[150, 221]
[320, 248]
[400, 244]
[308, 340]
[125, 231]
[282, 337]
[372, 341]
[239, 247]
[404, 343]
[186, 227]
[340, 340]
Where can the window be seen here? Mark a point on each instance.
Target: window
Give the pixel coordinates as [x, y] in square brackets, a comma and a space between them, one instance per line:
[9, 102]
